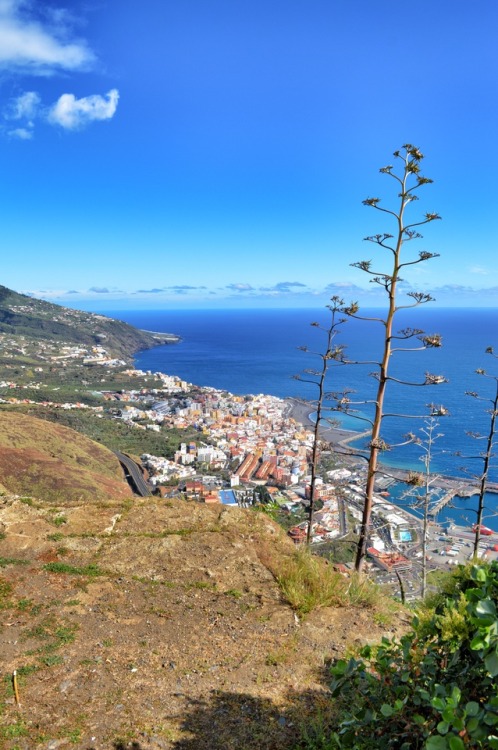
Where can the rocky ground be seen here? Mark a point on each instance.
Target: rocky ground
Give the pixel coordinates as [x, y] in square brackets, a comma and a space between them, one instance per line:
[156, 624]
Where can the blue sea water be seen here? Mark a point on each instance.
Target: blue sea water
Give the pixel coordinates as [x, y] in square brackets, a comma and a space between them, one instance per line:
[256, 351]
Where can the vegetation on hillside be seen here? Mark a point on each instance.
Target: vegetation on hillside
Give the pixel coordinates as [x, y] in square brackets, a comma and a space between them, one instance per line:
[435, 688]
[113, 433]
[21, 315]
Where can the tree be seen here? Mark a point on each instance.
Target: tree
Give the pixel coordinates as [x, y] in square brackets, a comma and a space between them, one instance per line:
[317, 377]
[408, 182]
[423, 500]
[487, 454]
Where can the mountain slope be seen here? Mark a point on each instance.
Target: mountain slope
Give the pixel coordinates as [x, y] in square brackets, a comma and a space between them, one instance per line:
[37, 319]
[50, 462]
[158, 626]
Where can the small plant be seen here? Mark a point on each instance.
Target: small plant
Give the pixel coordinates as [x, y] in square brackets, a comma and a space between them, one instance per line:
[74, 736]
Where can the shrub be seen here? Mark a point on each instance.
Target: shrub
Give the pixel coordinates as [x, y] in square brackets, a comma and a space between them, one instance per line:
[434, 689]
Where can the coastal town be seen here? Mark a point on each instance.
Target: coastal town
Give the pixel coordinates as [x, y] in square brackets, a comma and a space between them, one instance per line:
[244, 451]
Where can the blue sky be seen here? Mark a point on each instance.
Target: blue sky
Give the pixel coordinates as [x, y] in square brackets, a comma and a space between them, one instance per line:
[216, 154]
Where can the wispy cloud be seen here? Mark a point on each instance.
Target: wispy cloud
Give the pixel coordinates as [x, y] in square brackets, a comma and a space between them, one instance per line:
[283, 286]
[344, 287]
[239, 287]
[24, 106]
[24, 134]
[72, 114]
[183, 288]
[447, 294]
[29, 44]
[480, 270]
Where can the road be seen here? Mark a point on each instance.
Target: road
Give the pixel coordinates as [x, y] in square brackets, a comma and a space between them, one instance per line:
[134, 474]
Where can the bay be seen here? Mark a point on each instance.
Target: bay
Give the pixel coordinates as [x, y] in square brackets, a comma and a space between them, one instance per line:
[257, 351]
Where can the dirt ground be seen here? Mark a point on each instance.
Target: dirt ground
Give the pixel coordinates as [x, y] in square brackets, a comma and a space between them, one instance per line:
[151, 624]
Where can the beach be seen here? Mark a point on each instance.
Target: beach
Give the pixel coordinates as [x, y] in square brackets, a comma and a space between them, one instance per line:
[300, 410]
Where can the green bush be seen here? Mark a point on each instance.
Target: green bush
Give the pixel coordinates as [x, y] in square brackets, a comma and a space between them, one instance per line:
[436, 688]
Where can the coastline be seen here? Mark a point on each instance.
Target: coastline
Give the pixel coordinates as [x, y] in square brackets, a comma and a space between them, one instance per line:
[300, 410]
[461, 487]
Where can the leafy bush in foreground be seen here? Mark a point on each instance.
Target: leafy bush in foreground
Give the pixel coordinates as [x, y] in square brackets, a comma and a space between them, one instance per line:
[436, 688]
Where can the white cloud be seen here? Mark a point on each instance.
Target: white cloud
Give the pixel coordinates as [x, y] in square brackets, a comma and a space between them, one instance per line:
[25, 106]
[26, 45]
[72, 113]
[25, 134]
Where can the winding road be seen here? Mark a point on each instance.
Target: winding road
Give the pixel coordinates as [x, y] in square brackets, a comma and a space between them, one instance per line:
[133, 474]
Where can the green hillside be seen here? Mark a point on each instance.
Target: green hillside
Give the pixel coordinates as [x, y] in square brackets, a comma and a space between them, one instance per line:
[21, 315]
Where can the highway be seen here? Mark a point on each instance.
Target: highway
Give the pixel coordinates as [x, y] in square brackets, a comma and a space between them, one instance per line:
[133, 474]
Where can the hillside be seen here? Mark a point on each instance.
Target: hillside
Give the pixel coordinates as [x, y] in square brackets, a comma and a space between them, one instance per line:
[21, 315]
[49, 461]
[160, 625]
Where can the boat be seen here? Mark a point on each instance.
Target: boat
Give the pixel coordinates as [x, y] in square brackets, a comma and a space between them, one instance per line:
[484, 530]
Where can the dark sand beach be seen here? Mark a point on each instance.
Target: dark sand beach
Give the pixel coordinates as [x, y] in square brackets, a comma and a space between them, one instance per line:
[300, 410]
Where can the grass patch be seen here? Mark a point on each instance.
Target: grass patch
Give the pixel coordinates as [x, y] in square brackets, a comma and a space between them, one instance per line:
[200, 585]
[13, 731]
[51, 660]
[55, 636]
[4, 561]
[307, 583]
[24, 604]
[60, 567]
[5, 592]
[58, 520]
[26, 670]
[57, 537]
[236, 593]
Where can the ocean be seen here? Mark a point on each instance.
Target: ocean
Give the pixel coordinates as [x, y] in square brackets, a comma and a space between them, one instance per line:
[257, 351]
